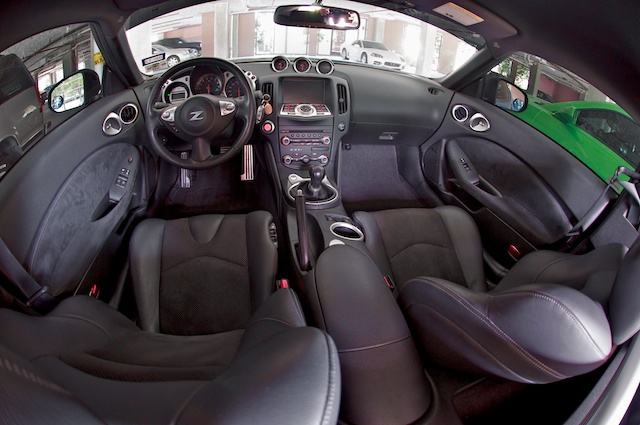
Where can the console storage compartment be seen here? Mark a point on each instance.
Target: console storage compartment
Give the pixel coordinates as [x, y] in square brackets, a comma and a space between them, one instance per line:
[383, 381]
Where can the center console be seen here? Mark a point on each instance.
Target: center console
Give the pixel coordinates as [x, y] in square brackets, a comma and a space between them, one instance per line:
[341, 286]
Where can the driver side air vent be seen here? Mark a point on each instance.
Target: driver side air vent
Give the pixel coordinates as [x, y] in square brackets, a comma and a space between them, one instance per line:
[343, 105]
[460, 113]
[267, 88]
[128, 113]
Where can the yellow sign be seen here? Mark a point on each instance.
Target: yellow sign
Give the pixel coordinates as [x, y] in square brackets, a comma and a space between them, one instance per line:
[97, 58]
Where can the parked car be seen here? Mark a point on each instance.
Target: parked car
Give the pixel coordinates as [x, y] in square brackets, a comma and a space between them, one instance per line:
[180, 43]
[21, 119]
[372, 52]
[600, 134]
[270, 236]
[174, 56]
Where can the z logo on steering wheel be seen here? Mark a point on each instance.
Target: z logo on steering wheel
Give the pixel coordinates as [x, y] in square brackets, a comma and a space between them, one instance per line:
[196, 116]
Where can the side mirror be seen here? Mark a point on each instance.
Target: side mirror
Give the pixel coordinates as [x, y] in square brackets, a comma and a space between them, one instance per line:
[500, 92]
[317, 16]
[77, 90]
[566, 114]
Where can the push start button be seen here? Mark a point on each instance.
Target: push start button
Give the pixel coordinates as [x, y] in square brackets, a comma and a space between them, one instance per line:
[268, 127]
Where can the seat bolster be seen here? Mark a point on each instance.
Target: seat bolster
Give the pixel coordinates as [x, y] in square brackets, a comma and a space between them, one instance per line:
[534, 334]
[291, 377]
[467, 244]
[281, 311]
[27, 397]
[373, 240]
[145, 255]
[78, 323]
[592, 273]
[263, 257]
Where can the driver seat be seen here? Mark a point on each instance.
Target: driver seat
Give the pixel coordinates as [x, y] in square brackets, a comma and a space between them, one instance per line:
[202, 275]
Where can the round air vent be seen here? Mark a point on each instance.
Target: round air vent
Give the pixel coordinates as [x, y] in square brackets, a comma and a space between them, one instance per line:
[479, 122]
[460, 113]
[128, 113]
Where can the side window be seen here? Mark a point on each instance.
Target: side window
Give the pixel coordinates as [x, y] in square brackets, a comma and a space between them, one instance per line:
[613, 129]
[29, 71]
[573, 113]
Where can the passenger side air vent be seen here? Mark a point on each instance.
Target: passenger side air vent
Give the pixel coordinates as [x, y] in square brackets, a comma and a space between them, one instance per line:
[460, 113]
[128, 113]
[343, 105]
[267, 88]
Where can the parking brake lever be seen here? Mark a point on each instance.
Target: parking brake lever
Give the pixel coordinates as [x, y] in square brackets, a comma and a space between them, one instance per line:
[303, 235]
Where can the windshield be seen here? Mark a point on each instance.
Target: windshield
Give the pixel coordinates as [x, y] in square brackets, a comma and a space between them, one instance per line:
[245, 29]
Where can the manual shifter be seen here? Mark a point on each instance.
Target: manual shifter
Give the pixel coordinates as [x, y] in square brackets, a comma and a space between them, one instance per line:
[314, 190]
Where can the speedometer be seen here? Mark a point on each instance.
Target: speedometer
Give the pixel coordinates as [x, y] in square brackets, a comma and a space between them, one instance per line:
[208, 84]
[232, 88]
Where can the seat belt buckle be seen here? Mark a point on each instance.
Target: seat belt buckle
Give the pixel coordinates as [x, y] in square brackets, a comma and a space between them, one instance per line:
[40, 292]
[282, 283]
[389, 281]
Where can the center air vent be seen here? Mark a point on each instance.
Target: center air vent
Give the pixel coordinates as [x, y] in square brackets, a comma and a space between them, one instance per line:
[267, 88]
[128, 113]
[460, 113]
[343, 105]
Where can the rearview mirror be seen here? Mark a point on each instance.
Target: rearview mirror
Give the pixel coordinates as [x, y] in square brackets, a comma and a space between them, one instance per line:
[77, 90]
[503, 94]
[317, 16]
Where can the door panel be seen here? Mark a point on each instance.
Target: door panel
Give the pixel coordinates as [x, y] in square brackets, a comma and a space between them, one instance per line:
[61, 202]
[521, 187]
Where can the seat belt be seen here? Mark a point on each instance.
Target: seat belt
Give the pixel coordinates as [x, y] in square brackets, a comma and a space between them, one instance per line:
[594, 212]
[35, 295]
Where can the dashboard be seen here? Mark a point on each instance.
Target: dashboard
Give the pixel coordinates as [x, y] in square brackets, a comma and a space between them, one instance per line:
[317, 104]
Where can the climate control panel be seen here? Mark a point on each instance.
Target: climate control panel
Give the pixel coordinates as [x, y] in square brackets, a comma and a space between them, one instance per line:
[305, 145]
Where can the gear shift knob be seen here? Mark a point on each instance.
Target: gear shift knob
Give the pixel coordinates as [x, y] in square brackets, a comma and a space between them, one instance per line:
[317, 174]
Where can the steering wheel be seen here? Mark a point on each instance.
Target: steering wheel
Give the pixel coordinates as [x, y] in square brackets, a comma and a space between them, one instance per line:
[201, 118]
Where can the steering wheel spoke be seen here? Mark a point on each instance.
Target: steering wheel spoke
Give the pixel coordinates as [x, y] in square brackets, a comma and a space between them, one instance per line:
[201, 149]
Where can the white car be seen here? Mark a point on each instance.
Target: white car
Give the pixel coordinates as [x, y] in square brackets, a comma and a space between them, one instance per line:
[372, 52]
[174, 56]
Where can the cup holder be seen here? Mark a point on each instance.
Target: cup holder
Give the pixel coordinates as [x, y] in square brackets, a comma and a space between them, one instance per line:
[347, 231]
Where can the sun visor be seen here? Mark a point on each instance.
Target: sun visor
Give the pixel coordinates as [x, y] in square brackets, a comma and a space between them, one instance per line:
[471, 16]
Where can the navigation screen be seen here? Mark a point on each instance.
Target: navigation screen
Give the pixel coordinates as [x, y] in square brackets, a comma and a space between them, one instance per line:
[302, 90]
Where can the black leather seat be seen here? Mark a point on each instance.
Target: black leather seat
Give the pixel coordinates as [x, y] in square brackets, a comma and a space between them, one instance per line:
[202, 275]
[550, 318]
[86, 363]
[242, 354]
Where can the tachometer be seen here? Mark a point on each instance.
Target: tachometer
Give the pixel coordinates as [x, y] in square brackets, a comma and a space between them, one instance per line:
[232, 88]
[208, 84]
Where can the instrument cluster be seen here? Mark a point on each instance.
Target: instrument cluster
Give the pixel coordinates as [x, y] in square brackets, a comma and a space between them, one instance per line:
[203, 80]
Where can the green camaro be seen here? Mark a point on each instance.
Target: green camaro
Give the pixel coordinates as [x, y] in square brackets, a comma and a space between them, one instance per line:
[600, 134]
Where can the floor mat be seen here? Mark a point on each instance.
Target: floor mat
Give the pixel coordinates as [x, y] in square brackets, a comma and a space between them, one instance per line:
[370, 180]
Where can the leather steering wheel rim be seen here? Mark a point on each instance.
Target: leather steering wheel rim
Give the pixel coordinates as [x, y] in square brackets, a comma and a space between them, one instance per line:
[245, 111]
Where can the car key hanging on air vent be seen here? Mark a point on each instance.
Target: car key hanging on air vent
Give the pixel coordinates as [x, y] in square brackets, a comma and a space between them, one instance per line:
[268, 109]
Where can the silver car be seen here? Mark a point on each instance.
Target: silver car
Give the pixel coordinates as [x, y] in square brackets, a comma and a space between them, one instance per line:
[21, 119]
[373, 53]
[174, 56]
